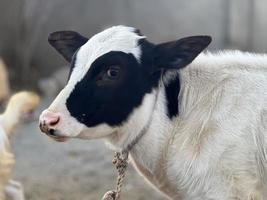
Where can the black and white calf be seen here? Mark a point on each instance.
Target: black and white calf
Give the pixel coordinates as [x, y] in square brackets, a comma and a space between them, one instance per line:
[203, 123]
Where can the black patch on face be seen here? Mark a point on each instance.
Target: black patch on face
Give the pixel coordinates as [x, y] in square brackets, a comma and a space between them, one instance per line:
[172, 90]
[98, 99]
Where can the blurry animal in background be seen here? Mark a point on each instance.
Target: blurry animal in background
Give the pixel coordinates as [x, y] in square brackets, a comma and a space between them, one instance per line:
[51, 86]
[20, 108]
[4, 82]
[6, 162]
[194, 123]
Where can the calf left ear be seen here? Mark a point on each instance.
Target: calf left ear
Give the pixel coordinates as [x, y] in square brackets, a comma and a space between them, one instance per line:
[178, 54]
[66, 42]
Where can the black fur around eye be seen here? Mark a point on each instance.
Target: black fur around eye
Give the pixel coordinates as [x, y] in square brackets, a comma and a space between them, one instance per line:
[113, 72]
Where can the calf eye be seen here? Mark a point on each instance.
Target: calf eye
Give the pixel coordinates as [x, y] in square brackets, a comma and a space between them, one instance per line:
[113, 72]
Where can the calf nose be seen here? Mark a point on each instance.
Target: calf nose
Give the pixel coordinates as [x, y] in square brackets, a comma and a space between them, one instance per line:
[49, 118]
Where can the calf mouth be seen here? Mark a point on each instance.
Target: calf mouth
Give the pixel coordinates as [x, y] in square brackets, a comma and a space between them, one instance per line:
[52, 133]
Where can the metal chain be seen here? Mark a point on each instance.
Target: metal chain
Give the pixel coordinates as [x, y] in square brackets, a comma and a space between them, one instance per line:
[120, 161]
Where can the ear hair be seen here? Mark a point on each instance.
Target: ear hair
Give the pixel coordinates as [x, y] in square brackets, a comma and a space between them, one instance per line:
[178, 54]
[66, 42]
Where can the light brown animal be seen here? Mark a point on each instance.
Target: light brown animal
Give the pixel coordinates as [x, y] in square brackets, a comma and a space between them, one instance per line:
[19, 108]
[4, 82]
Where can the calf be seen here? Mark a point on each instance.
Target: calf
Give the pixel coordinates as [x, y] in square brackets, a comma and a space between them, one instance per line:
[20, 107]
[196, 129]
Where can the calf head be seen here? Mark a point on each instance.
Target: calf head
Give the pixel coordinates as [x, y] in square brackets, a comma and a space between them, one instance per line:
[112, 80]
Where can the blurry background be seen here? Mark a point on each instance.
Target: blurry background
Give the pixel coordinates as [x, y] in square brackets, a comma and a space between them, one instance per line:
[25, 25]
[81, 169]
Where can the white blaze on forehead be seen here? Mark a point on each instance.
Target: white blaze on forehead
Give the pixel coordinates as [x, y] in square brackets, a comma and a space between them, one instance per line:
[116, 38]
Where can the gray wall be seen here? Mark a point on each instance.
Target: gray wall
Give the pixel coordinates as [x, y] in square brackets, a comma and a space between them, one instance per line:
[25, 24]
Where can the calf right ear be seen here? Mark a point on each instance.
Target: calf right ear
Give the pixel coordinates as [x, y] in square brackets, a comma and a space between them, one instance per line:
[66, 42]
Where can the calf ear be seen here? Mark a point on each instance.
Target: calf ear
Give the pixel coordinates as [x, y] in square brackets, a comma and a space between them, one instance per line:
[178, 54]
[66, 42]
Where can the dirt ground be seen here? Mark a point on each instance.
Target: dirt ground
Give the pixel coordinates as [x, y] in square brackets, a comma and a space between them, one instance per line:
[74, 170]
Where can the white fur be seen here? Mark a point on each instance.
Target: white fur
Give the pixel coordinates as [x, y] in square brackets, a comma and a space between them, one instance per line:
[215, 148]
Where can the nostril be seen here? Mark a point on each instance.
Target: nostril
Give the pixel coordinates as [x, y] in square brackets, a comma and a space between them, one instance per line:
[52, 132]
[54, 122]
